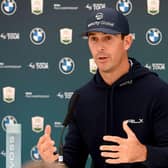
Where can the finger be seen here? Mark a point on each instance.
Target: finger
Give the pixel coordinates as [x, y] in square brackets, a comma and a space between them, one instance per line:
[43, 139]
[127, 129]
[49, 157]
[47, 130]
[114, 148]
[113, 155]
[47, 152]
[113, 139]
[50, 149]
[47, 145]
[113, 161]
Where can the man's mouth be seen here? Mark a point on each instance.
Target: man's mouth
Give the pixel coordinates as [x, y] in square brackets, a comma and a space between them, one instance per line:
[102, 58]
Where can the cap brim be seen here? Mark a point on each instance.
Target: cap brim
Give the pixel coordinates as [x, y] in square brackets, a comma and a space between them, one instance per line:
[103, 30]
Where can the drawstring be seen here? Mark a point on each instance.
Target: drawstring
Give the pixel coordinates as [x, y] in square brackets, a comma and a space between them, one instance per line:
[105, 122]
[108, 112]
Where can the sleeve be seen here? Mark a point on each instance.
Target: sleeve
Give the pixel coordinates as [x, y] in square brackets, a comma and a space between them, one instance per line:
[157, 153]
[75, 151]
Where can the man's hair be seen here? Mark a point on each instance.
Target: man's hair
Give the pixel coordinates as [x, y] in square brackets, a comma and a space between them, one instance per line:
[42, 164]
[123, 35]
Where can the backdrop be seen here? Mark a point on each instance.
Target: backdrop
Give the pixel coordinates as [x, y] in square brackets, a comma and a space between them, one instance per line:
[43, 58]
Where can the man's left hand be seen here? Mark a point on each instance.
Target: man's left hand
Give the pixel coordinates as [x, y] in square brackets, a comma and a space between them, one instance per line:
[128, 150]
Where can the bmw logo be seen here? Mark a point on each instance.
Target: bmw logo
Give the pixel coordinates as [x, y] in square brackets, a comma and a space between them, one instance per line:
[99, 16]
[37, 36]
[66, 65]
[8, 7]
[8, 120]
[124, 6]
[34, 154]
[153, 36]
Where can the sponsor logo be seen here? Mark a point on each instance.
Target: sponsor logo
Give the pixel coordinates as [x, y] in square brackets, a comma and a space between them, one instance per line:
[133, 36]
[124, 6]
[10, 36]
[37, 36]
[36, 96]
[37, 124]
[99, 16]
[153, 36]
[8, 94]
[128, 82]
[4, 66]
[153, 7]
[37, 7]
[66, 36]
[64, 95]
[95, 6]
[92, 66]
[8, 120]
[38, 65]
[58, 6]
[8, 7]
[3, 153]
[34, 154]
[12, 148]
[156, 66]
[66, 65]
[58, 124]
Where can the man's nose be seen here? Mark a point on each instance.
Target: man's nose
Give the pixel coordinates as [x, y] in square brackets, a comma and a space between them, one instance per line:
[101, 46]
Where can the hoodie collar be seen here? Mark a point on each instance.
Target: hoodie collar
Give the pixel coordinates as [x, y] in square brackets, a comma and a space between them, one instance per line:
[136, 71]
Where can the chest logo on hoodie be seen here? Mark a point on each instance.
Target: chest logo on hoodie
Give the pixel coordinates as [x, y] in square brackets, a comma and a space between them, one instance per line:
[129, 82]
[136, 121]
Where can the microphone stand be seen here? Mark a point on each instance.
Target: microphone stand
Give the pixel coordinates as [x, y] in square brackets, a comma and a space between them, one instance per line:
[60, 149]
[67, 120]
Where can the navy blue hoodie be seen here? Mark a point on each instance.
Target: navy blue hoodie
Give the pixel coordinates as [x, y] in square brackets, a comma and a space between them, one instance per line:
[139, 96]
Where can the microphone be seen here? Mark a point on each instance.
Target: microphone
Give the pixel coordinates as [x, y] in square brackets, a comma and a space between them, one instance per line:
[71, 108]
[68, 118]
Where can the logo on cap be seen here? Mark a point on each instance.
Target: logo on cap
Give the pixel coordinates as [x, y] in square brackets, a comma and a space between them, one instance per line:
[153, 36]
[99, 16]
[124, 6]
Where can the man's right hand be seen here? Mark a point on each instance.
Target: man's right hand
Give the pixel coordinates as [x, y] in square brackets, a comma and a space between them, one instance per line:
[46, 146]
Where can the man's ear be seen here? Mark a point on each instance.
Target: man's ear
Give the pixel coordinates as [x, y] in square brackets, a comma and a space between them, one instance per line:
[128, 39]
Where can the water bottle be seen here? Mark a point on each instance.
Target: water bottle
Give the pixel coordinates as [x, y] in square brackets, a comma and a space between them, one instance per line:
[13, 146]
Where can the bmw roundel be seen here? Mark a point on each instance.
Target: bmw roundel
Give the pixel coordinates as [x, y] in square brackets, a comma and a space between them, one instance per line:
[37, 36]
[124, 6]
[153, 36]
[8, 120]
[66, 65]
[8, 7]
[35, 154]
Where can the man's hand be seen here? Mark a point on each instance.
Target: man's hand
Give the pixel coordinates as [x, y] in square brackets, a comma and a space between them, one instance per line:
[46, 146]
[128, 150]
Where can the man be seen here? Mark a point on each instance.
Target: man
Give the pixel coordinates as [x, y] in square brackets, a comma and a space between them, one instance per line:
[121, 117]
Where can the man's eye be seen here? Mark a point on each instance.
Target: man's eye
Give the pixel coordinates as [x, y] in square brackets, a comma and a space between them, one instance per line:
[93, 38]
[108, 38]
